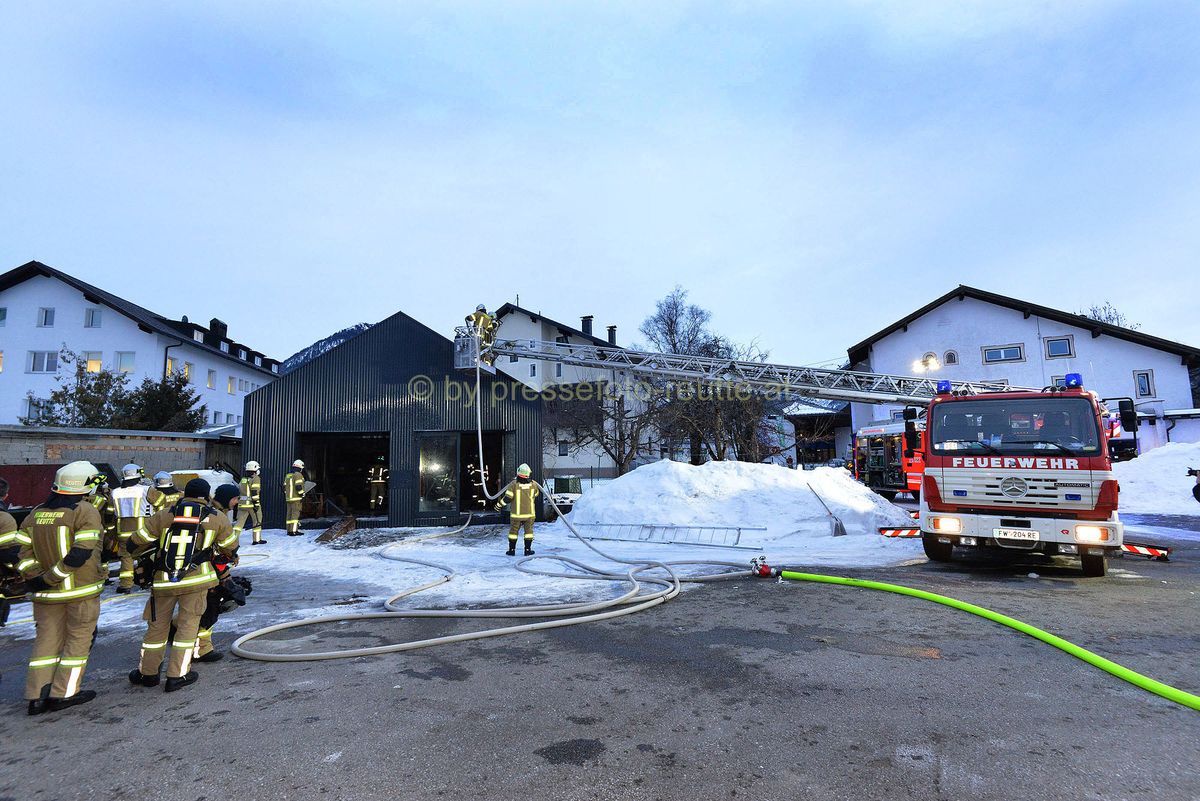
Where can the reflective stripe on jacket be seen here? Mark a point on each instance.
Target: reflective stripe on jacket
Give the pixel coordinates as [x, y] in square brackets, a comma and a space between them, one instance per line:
[293, 487]
[522, 497]
[62, 546]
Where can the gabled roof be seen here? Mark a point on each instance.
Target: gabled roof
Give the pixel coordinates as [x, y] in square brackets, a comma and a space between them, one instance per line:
[147, 320]
[1190, 356]
[512, 308]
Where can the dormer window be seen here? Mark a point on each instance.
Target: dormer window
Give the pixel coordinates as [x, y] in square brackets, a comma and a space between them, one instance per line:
[225, 347]
[242, 354]
[198, 336]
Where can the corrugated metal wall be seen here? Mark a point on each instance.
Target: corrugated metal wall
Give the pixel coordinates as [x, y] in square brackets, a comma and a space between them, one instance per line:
[373, 383]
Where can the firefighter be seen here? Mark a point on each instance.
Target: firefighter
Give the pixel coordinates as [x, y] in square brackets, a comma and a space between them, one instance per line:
[184, 541]
[225, 500]
[103, 501]
[169, 494]
[60, 557]
[134, 503]
[250, 507]
[483, 325]
[377, 480]
[523, 493]
[293, 496]
[8, 528]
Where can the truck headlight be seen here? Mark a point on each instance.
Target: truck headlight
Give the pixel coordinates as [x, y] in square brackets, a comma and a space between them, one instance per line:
[946, 525]
[1092, 533]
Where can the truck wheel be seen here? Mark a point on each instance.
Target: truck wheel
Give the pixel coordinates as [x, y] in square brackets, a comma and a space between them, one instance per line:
[887, 495]
[937, 551]
[1094, 565]
[916, 495]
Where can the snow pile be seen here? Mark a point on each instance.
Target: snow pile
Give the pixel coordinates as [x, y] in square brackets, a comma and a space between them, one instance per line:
[1157, 481]
[744, 494]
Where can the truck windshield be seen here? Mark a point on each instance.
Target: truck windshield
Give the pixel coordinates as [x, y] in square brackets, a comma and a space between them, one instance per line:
[1040, 426]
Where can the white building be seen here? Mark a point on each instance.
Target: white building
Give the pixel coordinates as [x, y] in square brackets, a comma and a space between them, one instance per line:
[559, 458]
[44, 311]
[972, 335]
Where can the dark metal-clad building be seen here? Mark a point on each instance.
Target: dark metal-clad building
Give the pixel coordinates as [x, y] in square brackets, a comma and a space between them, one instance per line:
[391, 396]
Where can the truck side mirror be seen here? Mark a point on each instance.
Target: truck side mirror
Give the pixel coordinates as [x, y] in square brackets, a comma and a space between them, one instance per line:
[1128, 414]
[911, 413]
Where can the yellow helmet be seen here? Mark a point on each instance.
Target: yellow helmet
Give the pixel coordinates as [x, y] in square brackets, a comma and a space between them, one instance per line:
[523, 471]
[75, 479]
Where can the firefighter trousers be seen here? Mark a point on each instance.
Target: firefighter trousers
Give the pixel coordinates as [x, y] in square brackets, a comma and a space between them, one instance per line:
[61, 647]
[515, 526]
[186, 609]
[293, 517]
[249, 518]
[125, 577]
[378, 493]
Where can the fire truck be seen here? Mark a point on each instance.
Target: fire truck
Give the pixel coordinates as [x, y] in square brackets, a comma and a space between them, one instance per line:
[1005, 467]
[1022, 471]
[884, 463]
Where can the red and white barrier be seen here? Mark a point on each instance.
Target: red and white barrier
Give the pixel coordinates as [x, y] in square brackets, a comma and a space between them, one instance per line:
[900, 532]
[1148, 551]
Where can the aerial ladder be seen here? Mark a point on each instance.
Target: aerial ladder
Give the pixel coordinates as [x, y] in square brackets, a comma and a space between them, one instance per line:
[786, 380]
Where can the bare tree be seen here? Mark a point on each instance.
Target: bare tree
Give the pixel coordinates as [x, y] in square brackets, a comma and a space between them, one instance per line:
[1110, 314]
[620, 420]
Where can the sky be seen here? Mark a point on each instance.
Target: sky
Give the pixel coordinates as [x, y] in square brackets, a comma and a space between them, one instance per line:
[808, 171]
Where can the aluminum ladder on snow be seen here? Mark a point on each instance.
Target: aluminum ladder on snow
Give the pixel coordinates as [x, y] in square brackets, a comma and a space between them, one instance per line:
[658, 533]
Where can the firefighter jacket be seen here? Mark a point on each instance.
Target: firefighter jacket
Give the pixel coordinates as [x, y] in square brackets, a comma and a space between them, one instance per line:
[378, 474]
[8, 538]
[133, 505]
[522, 495]
[212, 535]
[250, 488]
[482, 323]
[60, 542]
[293, 487]
[167, 499]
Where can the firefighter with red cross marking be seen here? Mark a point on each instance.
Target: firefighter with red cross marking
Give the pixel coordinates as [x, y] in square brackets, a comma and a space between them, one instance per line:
[182, 543]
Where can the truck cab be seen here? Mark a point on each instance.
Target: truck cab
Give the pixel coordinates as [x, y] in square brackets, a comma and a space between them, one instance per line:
[1021, 471]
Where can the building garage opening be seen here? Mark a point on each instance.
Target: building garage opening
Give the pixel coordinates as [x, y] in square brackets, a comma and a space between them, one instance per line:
[340, 464]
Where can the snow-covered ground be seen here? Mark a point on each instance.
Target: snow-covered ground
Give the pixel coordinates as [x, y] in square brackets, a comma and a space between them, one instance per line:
[1157, 481]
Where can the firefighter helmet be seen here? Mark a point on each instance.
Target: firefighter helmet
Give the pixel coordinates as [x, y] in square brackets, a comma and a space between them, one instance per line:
[252, 466]
[75, 479]
[523, 471]
[163, 480]
[481, 308]
[298, 463]
[132, 470]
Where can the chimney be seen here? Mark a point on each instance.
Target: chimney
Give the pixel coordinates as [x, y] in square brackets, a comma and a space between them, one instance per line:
[218, 329]
[612, 335]
[585, 323]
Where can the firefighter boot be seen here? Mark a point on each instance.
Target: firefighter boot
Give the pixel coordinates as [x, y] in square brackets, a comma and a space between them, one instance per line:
[512, 548]
[211, 656]
[179, 682]
[529, 547]
[139, 679]
[38, 705]
[81, 697]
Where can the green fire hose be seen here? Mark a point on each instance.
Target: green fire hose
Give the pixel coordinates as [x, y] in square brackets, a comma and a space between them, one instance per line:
[1108, 666]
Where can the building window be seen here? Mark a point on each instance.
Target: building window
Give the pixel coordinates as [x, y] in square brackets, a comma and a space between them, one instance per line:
[45, 318]
[1143, 380]
[225, 347]
[170, 364]
[198, 336]
[91, 360]
[950, 357]
[241, 385]
[3, 316]
[43, 361]
[34, 407]
[188, 368]
[239, 420]
[558, 369]
[258, 361]
[1, 361]
[561, 339]
[124, 361]
[231, 385]
[1003, 353]
[91, 318]
[242, 354]
[563, 448]
[512, 358]
[216, 418]
[274, 368]
[1058, 380]
[1060, 348]
[533, 371]
[212, 379]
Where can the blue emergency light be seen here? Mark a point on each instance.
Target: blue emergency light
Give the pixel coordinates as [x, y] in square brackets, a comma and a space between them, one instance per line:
[943, 387]
[1073, 381]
